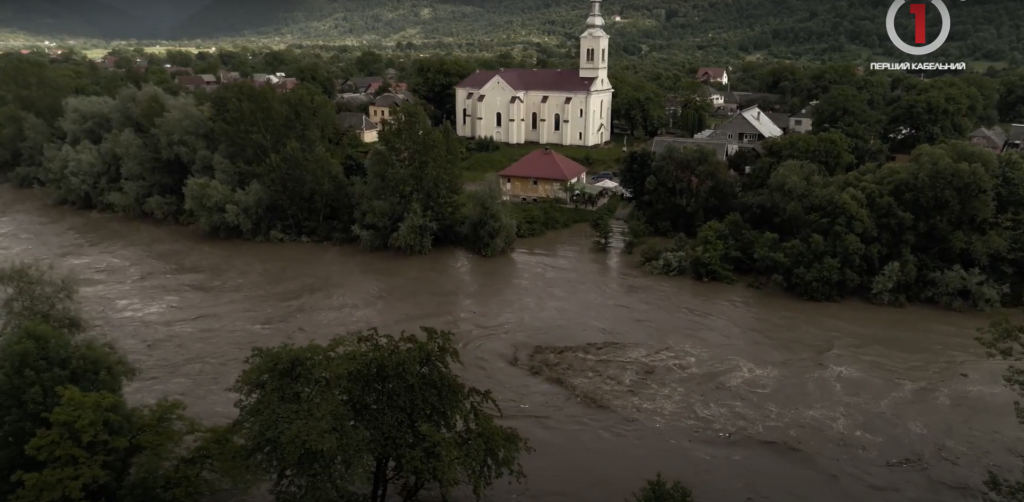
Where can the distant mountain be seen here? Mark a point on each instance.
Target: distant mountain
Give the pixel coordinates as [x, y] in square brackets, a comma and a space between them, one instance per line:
[706, 29]
[70, 18]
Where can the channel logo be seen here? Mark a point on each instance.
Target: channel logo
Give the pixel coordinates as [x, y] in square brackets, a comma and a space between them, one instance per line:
[919, 11]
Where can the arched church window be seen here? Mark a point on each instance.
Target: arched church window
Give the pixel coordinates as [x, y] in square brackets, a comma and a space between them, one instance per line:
[602, 108]
[590, 55]
[533, 121]
[497, 119]
[558, 122]
[603, 54]
[581, 112]
[465, 115]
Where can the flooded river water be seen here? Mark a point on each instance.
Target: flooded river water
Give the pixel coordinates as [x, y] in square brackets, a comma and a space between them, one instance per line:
[741, 394]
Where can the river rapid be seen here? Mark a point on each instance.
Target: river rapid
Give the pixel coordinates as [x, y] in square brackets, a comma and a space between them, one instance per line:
[612, 374]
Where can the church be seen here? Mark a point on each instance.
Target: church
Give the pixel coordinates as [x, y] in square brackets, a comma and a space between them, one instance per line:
[546, 106]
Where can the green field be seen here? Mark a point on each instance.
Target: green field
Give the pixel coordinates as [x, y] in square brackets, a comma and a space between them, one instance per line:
[479, 166]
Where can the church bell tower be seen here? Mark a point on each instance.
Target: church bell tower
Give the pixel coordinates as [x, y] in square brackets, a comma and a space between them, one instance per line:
[594, 45]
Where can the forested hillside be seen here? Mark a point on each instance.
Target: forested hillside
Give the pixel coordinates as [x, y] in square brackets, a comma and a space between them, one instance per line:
[700, 28]
[68, 18]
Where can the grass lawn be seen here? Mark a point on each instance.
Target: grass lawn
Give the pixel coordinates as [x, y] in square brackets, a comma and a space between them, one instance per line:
[480, 165]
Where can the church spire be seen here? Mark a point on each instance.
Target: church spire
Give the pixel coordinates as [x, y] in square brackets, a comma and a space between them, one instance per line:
[595, 20]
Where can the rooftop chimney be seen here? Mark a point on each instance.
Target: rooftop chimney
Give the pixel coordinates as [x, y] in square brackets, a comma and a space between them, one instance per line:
[501, 70]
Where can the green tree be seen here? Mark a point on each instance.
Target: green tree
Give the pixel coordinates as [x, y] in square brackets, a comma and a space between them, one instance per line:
[33, 293]
[373, 414]
[488, 227]
[601, 225]
[660, 490]
[411, 198]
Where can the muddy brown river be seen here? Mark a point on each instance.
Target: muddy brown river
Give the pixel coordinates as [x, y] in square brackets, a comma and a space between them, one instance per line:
[613, 374]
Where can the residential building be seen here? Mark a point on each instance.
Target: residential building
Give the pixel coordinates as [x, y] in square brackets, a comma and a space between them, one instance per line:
[209, 80]
[1015, 139]
[193, 82]
[369, 85]
[723, 149]
[748, 127]
[541, 174]
[361, 124]
[354, 101]
[993, 139]
[803, 121]
[227, 77]
[546, 106]
[780, 119]
[718, 75]
[109, 62]
[384, 105]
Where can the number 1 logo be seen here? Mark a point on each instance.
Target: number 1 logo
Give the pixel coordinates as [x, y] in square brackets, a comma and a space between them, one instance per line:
[918, 10]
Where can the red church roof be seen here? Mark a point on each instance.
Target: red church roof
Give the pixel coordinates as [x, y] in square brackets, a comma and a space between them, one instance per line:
[537, 79]
[544, 164]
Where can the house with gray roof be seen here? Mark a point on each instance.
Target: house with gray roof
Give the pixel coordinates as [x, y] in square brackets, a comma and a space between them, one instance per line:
[1015, 139]
[993, 139]
[803, 121]
[750, 126]
[360, 124]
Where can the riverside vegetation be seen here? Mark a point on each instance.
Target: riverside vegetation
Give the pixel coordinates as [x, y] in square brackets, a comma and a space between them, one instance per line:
[826, 217]
[379, 414]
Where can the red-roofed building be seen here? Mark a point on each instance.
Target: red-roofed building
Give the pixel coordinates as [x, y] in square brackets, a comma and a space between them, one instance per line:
[541, 174]
[547, 106]
[713, 75]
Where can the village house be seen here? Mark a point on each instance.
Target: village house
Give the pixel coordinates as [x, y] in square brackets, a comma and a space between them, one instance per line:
[780, 119]
[384, 105]
[227, 77]
[195, 82]
[277, 81]
[369, 85]
[354, 101]
[748, 127]
[718, 75]
[803, 121]
[547, 106]
[361, 124]
[541, 174]
[1015, 139]
[993, 139]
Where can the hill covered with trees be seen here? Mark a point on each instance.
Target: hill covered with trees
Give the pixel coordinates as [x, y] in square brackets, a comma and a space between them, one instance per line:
[788, 29]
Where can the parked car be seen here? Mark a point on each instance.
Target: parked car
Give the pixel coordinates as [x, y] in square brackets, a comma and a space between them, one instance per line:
[601, 177]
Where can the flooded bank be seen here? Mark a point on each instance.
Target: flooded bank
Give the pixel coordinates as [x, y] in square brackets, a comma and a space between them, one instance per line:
[613, 374]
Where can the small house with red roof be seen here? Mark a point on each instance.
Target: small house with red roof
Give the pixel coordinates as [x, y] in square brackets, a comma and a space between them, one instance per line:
[713, 75]
[542, 105]
[541, 174]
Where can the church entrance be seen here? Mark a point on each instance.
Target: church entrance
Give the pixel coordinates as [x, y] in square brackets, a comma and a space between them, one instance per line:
[497, 136]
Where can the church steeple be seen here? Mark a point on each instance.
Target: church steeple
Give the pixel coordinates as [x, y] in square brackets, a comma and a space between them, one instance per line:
[594, 45]
[595, 20]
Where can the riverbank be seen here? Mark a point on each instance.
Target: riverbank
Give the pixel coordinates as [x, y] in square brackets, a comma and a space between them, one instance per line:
[851, 386]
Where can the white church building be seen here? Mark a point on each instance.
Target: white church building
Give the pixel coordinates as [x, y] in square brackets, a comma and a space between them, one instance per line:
[546, 106]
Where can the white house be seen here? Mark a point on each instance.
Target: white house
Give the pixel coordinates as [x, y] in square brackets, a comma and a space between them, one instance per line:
[713, 75]
[546, 106]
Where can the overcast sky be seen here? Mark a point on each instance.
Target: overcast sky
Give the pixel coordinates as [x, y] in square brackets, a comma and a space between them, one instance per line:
[164, 13]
